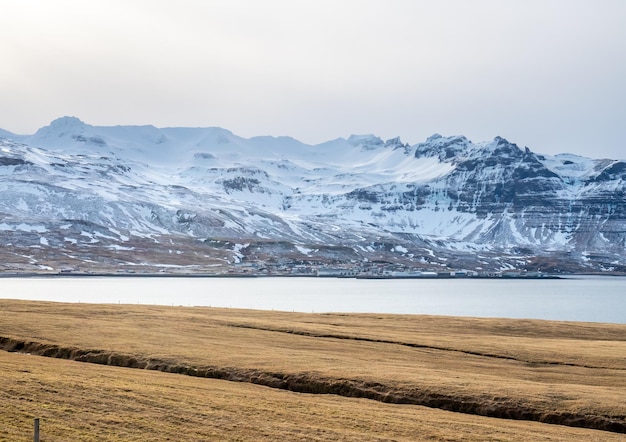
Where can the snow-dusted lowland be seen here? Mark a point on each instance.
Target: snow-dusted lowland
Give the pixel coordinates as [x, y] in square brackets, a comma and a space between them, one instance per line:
[76, 197]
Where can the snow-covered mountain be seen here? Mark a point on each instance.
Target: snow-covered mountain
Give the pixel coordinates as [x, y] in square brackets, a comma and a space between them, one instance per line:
[81, 197]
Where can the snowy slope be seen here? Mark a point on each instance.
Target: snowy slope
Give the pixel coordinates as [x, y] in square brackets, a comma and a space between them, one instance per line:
[134, 194]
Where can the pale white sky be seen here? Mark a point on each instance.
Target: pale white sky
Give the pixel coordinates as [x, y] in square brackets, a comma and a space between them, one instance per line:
[547, 74]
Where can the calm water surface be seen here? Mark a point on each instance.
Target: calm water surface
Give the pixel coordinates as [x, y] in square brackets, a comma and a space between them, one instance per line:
[595, 299]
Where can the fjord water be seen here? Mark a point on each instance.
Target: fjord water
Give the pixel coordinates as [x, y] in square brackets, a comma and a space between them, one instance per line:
[588, 299]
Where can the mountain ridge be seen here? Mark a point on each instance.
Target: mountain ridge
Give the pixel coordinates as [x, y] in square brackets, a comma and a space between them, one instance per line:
[139, 198]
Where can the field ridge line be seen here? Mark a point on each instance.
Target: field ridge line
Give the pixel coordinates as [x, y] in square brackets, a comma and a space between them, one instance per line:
[417, 345]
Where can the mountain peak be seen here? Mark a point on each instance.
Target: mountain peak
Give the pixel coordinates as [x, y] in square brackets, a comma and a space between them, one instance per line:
[62, 126]
[395, 143]
[443, 147]
[66, 122]
[366, 141]
[503, 147]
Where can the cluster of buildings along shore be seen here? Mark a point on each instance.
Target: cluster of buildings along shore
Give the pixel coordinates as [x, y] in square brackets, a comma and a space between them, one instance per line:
[372, 272]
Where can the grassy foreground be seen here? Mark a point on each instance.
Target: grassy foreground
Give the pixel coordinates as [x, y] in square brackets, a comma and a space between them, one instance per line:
[570, 373]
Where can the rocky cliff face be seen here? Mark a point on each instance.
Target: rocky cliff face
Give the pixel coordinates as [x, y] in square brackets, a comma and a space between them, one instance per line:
[75, 196]
[520, 198]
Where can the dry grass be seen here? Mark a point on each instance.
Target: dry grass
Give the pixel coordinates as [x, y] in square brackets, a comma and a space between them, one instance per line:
[548, 370]
[99, 403]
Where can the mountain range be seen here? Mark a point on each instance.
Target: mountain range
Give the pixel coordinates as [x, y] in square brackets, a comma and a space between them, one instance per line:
[81, 198]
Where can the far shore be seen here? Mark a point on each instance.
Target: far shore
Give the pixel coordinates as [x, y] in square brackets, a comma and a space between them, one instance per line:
[261, 275]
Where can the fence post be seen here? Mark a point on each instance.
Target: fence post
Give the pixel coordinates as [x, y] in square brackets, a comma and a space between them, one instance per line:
[36, 438]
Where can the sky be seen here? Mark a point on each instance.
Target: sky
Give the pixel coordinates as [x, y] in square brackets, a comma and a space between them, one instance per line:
[547, 74]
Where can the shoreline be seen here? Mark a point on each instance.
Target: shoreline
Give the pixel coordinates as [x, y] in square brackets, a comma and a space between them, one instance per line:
[239, 275]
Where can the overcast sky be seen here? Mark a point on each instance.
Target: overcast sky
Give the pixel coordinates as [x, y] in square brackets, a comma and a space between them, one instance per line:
[547, 74]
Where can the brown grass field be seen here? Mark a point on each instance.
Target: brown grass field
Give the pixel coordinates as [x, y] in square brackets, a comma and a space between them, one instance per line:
[378, 371]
